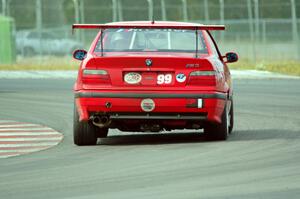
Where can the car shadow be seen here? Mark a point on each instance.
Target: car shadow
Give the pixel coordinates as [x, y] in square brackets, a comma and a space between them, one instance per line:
[147, 139]
[195, 137]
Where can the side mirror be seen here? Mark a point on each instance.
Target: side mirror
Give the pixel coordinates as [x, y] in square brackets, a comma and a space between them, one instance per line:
[79, 54]
[231, 57]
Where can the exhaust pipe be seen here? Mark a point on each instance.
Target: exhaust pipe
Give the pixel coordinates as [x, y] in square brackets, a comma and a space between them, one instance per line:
[100, 121]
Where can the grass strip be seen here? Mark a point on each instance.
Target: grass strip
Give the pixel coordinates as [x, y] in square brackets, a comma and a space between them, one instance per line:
[284, 67]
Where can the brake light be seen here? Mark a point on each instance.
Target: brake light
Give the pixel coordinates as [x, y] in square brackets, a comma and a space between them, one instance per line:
[92, 76]
[202, 78]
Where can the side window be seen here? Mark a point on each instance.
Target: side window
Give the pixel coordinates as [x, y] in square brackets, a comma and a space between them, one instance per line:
[212, 45]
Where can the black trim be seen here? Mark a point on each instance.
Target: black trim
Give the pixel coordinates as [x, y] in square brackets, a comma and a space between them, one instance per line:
[195, 105]
[156, 117]
[159, 116]
[148, 95]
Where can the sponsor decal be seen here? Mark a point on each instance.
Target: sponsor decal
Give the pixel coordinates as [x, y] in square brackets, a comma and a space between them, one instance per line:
[180, 77]
[148, 62]
[147, 105]
[132, 78]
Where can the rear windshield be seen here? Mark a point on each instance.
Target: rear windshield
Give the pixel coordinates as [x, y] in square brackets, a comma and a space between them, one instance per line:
[161, 40]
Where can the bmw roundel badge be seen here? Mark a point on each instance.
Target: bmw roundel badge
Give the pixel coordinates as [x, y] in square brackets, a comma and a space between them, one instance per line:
[148, 62]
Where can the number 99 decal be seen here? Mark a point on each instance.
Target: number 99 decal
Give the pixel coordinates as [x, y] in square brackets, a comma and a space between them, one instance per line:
[164, 79]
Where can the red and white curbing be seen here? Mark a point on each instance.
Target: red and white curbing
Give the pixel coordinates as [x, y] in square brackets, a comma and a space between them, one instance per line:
[18, 138]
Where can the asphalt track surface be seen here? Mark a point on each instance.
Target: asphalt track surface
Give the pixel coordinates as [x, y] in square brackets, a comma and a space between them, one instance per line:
[260, 160]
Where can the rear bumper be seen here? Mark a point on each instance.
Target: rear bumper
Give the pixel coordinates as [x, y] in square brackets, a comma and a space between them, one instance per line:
[168, 106]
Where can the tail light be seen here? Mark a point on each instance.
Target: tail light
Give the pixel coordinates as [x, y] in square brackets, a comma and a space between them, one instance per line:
[202, 78]
[95, 76]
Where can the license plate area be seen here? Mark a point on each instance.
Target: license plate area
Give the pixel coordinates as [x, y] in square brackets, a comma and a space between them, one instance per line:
[157, 78]
[149, 78]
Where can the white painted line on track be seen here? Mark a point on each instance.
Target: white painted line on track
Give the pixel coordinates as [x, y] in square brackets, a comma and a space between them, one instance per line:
[21, 126]
[18, 138]
[21, 129]
[30, 139]
[8, 156]
[23, 147]
[257, 74]
[41, 144]
[26, 134]
[5, 74]
[10, 122]
[26, 130]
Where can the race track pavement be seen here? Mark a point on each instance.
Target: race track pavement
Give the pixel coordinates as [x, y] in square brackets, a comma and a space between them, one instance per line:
[19, 138]
[260, 160]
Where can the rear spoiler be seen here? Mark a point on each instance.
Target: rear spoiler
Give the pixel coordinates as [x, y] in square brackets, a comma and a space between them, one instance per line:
[150, 26]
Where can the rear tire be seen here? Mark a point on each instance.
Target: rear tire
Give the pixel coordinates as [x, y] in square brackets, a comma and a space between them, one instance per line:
[218, 131]
[102, 132]
[84, 133]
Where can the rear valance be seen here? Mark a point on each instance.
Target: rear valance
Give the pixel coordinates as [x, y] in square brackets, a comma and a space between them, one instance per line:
[150, 26]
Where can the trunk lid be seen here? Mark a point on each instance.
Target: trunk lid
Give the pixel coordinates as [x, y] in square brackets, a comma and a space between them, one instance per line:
[150, 71]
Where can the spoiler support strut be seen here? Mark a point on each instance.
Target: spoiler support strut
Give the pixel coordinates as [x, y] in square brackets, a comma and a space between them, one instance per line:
[101, 40]
[196, 55]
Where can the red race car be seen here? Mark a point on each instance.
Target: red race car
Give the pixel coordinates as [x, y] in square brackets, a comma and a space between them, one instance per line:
[150, 77]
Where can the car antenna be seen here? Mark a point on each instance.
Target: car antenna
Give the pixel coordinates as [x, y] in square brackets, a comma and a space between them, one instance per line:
[152, 22]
